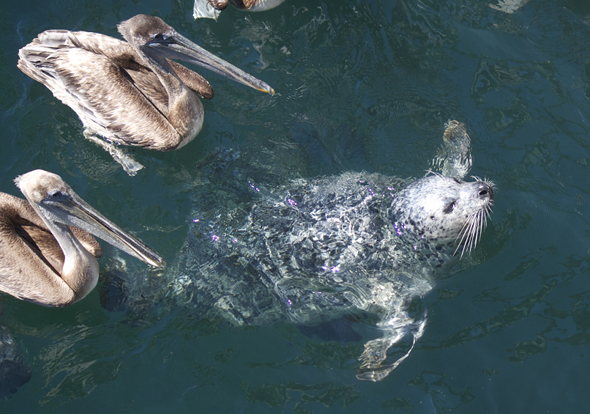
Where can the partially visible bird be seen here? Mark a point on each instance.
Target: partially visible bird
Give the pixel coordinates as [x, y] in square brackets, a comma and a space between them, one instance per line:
[212, 8]
[47, 255]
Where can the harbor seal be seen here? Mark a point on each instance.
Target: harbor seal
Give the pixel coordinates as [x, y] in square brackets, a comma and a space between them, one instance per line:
[314, 250]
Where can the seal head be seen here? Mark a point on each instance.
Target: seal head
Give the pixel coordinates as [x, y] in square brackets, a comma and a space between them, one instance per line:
[444, 211]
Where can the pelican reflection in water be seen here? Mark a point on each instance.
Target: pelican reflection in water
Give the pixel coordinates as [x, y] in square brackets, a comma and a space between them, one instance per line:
[129, 93]
[46, 253]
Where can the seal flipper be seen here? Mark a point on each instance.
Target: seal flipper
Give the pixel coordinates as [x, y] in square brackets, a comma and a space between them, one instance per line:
[453, 159]
[394, 330]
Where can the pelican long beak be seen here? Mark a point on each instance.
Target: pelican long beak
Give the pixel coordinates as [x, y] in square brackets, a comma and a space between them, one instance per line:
[177, 46]
[68, 208]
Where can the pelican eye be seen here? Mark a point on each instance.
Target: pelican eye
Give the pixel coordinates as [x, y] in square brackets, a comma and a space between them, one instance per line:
[57, 196]
[160, 38]
[450, 206]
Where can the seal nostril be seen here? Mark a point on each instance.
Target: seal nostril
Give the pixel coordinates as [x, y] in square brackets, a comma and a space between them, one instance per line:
[485, 190]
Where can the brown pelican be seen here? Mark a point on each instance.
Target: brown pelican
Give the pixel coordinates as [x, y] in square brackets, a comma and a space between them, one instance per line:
[46, 254]
[212, 8]
[130, 93]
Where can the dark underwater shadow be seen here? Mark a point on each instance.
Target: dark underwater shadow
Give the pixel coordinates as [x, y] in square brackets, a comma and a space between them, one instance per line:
[13, 371]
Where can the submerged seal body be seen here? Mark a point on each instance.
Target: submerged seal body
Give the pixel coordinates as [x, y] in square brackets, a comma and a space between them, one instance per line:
[358, 242]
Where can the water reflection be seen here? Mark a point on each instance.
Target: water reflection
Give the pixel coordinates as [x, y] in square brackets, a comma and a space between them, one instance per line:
[380, 76]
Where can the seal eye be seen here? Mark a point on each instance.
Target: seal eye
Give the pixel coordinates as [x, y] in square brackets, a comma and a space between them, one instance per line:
[449, 207]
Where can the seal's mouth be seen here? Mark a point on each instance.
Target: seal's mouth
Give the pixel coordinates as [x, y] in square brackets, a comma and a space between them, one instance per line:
[471, 232]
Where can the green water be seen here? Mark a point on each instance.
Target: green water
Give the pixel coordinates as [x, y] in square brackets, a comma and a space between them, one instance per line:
[370, 84]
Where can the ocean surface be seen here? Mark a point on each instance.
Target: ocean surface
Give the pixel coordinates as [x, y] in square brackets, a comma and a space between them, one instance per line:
[361, 85]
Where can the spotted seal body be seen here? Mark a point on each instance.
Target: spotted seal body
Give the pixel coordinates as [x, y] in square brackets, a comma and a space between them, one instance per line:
[315, 249]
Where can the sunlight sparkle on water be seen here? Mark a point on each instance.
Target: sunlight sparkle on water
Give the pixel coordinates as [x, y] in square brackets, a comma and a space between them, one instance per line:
[333, 269]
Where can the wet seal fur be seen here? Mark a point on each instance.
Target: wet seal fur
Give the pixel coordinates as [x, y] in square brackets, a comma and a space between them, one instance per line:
[317, 249]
